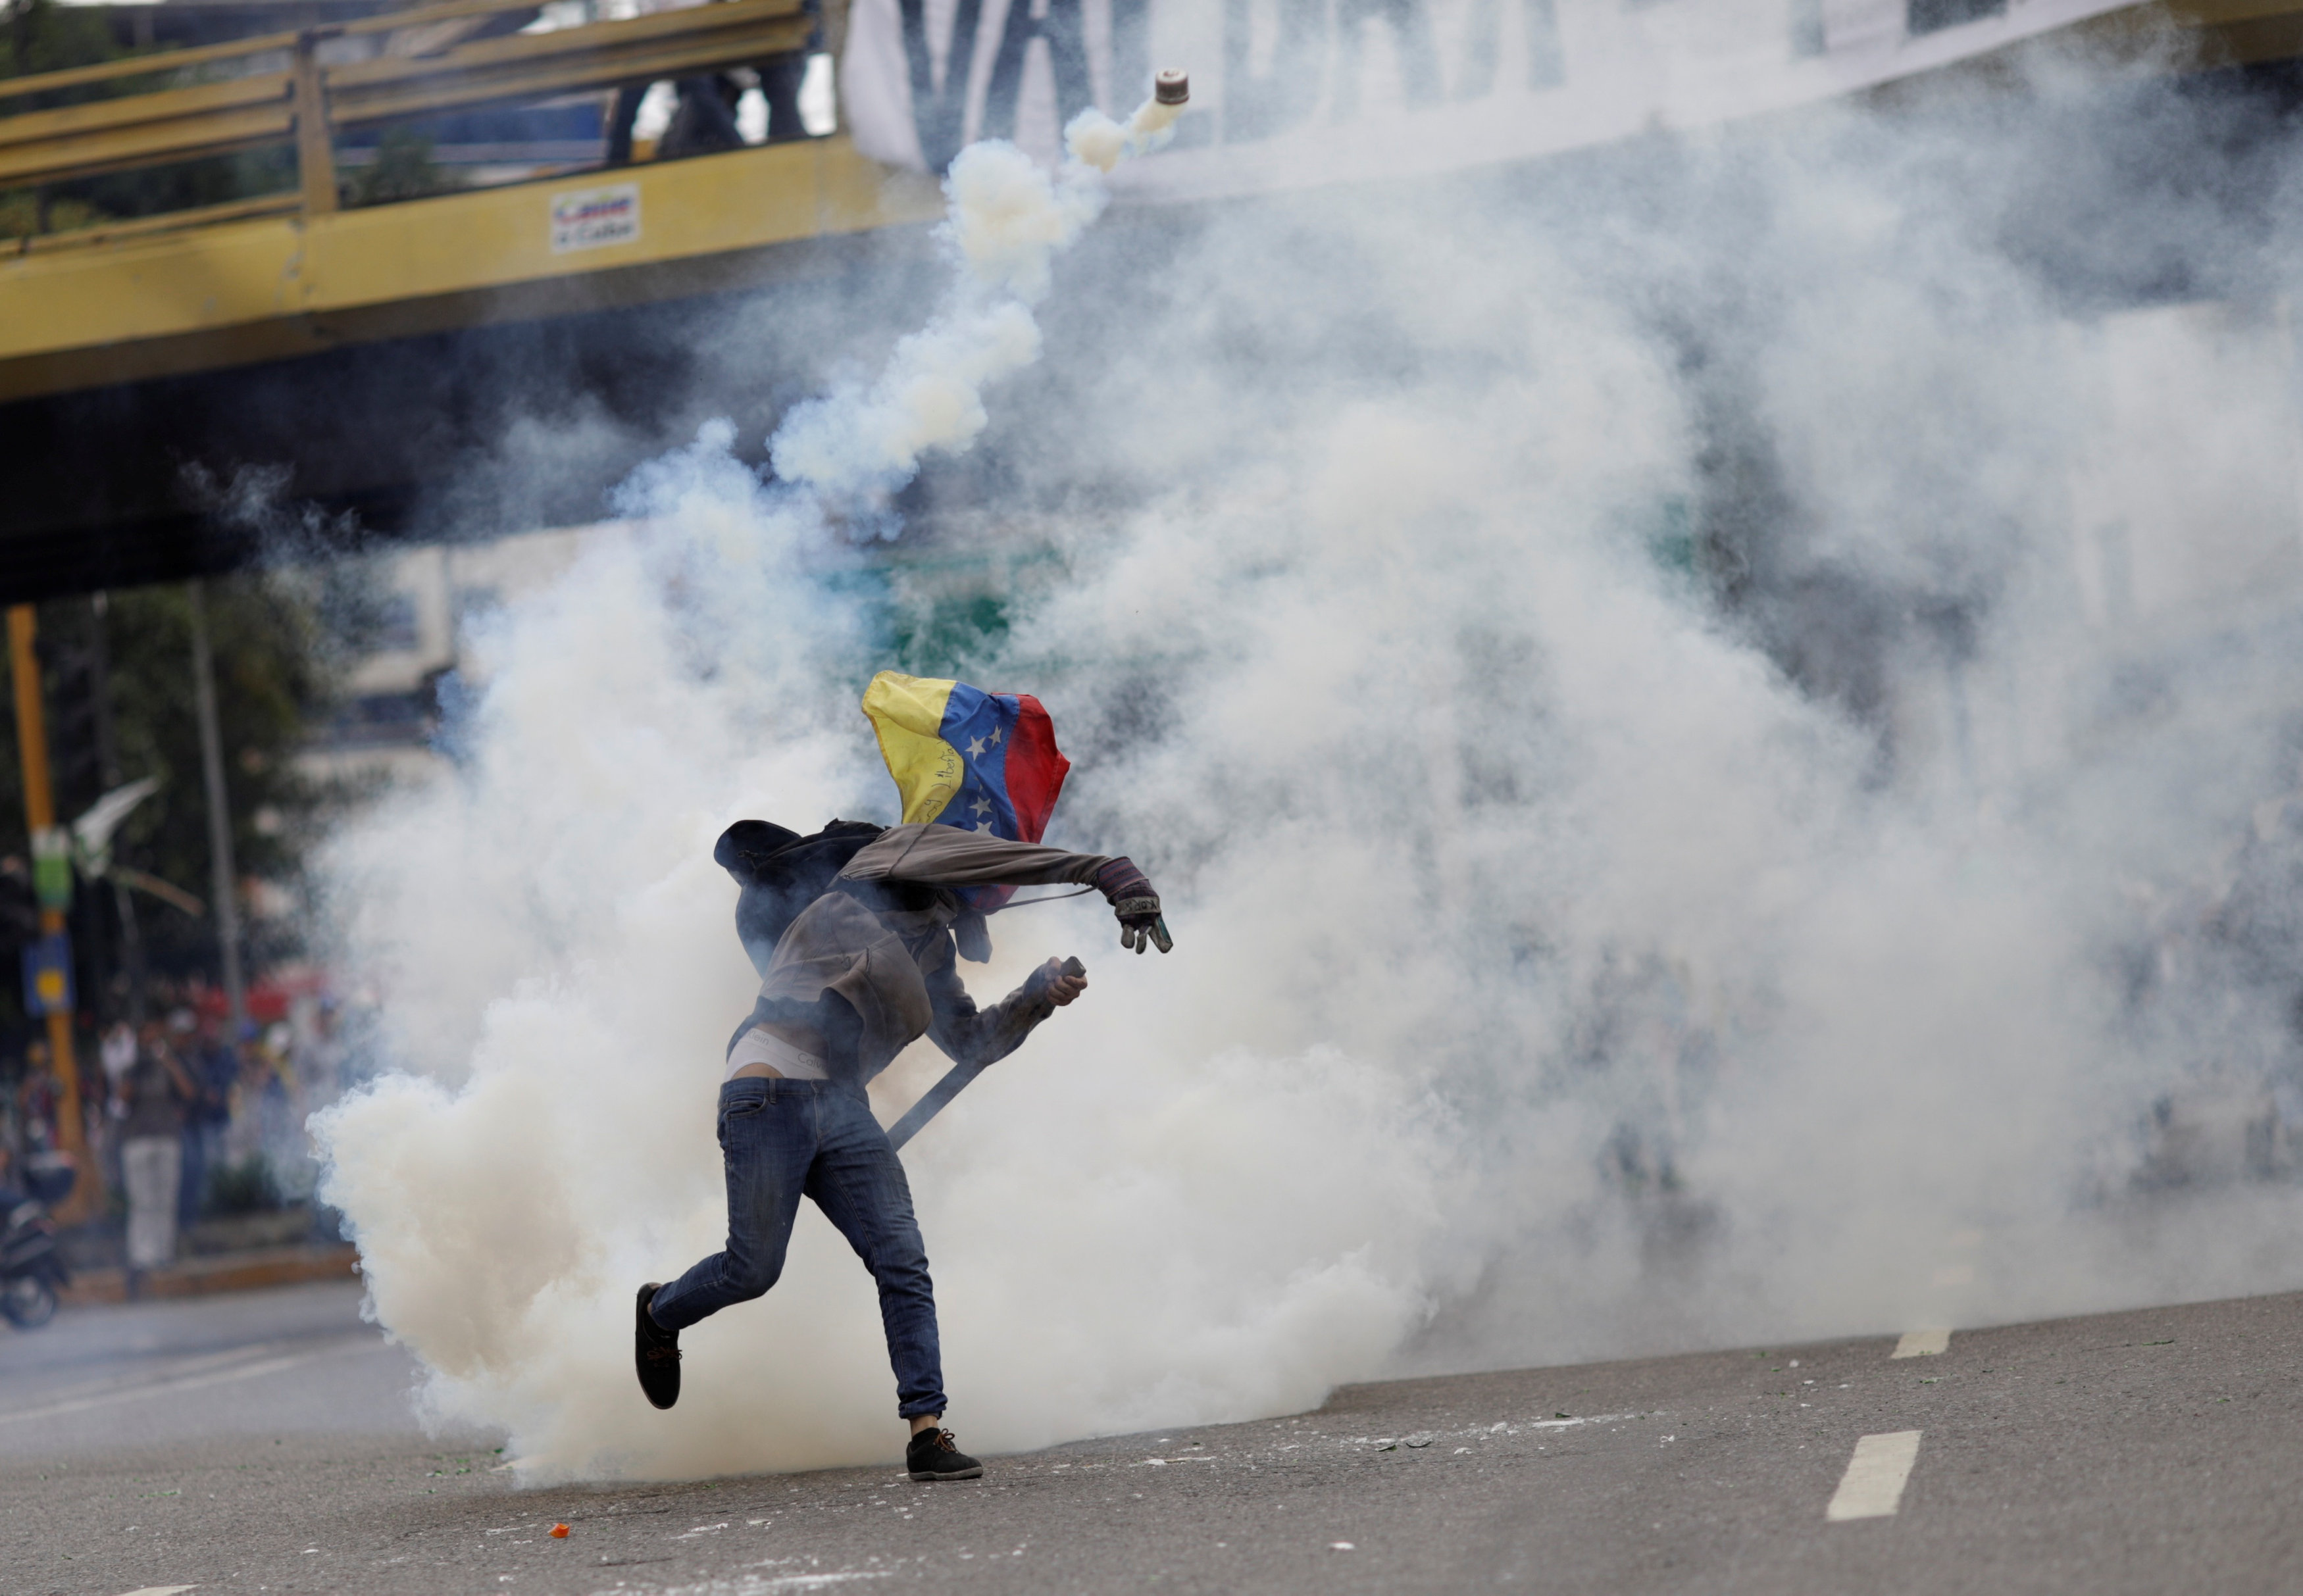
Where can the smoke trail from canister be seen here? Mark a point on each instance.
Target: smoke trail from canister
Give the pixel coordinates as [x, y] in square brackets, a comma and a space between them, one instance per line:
[1007, 221]
[1094, 139]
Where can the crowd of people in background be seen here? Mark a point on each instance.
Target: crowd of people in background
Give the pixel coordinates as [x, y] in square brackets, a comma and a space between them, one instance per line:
[185, 1118]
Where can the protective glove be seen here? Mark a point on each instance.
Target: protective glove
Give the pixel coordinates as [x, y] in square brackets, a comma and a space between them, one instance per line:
[1138, 906]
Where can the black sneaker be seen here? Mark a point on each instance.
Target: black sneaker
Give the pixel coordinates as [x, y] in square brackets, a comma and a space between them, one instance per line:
[932, 1455]
[656, 1352]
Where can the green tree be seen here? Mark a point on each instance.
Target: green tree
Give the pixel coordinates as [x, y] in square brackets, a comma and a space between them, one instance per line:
[278, 667]
[41, 36]
[404, 169]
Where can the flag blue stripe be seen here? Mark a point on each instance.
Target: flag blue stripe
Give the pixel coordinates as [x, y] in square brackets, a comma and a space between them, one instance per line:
[979, 726]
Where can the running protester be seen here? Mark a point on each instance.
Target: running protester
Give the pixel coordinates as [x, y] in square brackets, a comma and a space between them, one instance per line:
[856, 931]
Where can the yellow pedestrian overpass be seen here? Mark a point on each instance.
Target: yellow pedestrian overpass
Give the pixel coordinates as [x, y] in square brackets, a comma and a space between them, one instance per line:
[360, 354]
[291, 273]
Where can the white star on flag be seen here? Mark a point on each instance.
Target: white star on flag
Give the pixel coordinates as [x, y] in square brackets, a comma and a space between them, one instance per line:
[996, 733]
[976, 746]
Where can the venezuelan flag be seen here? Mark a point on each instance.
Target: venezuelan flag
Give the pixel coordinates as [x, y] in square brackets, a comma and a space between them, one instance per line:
[982, 761]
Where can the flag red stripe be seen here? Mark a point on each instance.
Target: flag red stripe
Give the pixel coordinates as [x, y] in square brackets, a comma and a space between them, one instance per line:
[1035, 770]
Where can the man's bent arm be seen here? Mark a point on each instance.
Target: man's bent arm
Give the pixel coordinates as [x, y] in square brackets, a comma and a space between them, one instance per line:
[971, 1036]
[947, 856]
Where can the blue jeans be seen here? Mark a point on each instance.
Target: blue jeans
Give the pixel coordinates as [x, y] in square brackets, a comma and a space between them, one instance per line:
[781, 1139]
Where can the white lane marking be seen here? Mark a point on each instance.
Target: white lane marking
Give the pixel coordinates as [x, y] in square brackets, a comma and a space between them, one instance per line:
[161, 1590]
[1873, 1485]
[162, 1387]
[1922, 1343]
[1597, 1418]
[169, 1368]
[747, 1583]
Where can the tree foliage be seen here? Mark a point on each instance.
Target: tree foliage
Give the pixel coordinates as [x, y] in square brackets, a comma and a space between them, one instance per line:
[42, 35]
[404, 169]
[39, 36]
[277, 668]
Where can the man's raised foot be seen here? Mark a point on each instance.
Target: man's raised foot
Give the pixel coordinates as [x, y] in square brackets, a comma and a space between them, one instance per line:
[655, 1350]
[932, 1456]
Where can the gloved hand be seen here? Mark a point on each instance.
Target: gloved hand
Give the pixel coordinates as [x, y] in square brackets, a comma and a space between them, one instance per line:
[1129, 892]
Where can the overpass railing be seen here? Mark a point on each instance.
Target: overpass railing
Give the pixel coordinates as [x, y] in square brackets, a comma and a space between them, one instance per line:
[226, 100]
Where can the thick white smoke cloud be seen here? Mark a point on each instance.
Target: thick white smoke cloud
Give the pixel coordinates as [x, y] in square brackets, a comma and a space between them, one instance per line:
[1556, 974]
[562, 965]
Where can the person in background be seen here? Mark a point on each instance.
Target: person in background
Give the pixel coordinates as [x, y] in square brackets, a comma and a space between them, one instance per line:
[99, 1134]
[154, 1095]
[704, 121]
[316, 1055]
[263, 1102]
[213, 1066]
[12, 1192]
[12, 1113]
[36, 1099]
[286, 1147]
[117, 1051]
[781, 77]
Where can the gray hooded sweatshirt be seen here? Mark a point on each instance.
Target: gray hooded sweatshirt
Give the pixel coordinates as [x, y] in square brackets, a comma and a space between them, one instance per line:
[896, 967]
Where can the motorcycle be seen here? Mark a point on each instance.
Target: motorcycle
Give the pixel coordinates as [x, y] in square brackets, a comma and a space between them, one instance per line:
[31, 1264]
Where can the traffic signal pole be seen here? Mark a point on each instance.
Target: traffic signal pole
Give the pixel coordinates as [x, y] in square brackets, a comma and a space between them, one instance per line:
[40, 816]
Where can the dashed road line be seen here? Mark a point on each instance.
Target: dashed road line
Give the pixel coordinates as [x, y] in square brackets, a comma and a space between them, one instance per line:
[162, 1388]
[146, 1372]
[1873, 1485]
[1922, 1343]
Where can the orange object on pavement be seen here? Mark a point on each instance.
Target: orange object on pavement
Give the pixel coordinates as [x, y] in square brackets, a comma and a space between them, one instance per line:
[560, 1532]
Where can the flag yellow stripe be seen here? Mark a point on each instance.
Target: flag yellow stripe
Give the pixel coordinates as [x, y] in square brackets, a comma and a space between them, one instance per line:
[907, 712]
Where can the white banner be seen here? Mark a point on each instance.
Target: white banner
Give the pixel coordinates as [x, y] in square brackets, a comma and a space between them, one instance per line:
[1289, 93]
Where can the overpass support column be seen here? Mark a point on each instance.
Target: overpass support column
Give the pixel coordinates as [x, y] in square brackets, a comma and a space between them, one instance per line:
[315, 151]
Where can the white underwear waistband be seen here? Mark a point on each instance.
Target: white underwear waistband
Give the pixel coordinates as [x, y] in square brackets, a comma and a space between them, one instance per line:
[761, 1046]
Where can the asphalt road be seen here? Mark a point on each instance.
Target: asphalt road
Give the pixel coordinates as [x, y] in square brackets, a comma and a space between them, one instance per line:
[262, 1443]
